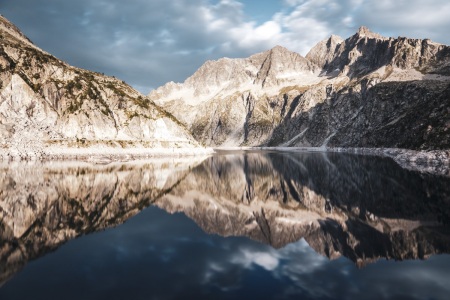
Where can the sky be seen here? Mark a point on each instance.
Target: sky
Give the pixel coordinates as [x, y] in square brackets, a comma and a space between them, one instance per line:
[150, 42]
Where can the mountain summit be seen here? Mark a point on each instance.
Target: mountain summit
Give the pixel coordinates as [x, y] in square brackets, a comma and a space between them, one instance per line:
[335, 96]
[365, 52]
[223, 92]
[258, 73]
[50, 108]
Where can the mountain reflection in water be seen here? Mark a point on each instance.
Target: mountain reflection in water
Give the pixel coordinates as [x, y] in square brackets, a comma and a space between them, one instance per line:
[360, 207]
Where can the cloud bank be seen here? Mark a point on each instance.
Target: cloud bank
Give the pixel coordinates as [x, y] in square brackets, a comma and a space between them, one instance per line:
[148, 43]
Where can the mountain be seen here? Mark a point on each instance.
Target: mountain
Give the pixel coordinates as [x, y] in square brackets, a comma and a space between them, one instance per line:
[48, 107]
[220, 103]
[366, 52]
[365, 91]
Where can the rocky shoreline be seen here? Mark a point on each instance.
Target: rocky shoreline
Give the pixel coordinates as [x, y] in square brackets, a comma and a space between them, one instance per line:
[436, 162]
[103, 154]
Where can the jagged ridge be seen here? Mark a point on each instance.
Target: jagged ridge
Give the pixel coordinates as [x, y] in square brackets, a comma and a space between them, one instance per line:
[280, 98]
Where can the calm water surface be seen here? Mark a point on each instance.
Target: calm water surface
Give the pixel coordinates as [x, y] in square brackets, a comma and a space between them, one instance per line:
[253, 225]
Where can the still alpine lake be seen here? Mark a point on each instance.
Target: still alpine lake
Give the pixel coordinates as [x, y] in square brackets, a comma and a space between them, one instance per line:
[234, 225]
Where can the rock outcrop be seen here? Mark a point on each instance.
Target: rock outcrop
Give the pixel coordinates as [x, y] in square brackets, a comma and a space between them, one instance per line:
[365, 91]
[47, 106]
[365, 52]
[324, 52]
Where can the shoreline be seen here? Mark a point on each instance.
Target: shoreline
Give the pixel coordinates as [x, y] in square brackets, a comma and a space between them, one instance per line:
[104, 153]
[436, 162]
[425, 161]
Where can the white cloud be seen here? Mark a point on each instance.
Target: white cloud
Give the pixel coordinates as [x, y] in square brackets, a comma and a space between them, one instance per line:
[408, 17]
[265, 260]
[148, 43]
[268, 260]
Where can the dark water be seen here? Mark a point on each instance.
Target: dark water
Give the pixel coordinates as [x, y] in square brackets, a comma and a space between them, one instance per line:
[253, 225]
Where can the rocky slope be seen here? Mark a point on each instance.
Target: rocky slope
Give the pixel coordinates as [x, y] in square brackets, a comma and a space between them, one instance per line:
[49, 107]
[365, 91]
[226, 101]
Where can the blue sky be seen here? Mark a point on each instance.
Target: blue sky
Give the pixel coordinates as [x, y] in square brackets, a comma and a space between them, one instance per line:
[148, 43]
[263, 10]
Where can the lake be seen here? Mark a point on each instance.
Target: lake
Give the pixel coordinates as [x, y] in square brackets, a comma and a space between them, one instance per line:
[235, 225]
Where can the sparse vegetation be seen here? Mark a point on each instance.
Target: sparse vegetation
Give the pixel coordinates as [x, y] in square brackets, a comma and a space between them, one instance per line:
[106, 110]
[166, 114]
[117, 91]
[140, 101]
[34, 87]
[40, 57]
[69, 86]
[132, 115]
[74, 84]
[92, 91]
[75, 105]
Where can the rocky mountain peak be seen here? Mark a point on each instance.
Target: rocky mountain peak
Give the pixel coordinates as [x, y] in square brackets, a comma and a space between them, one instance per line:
[6, 27]
[364, 31]
[269, 98]
[366, 52]
[214, 72]
[276, 67]
[322, 53]
[280, 63]
[335, 38]
[256, 69]
[277, 53]
[48, 107]
[279, 49]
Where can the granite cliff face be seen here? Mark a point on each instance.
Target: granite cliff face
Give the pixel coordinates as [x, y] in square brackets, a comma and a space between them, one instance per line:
[366, 52]
[365, 91]
[47, 105]
[226, 102]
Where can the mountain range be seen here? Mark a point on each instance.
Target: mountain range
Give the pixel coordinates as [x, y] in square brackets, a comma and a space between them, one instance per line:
[366, 91]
